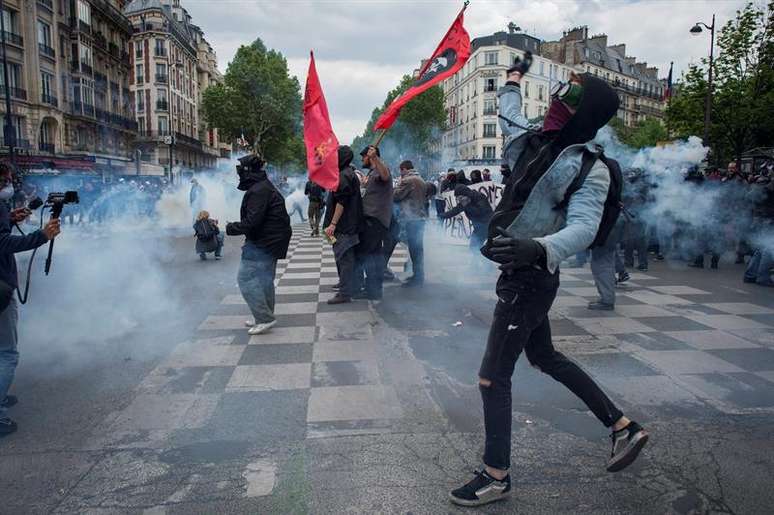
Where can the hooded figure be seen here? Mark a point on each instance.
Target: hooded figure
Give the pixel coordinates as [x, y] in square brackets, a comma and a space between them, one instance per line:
[533, 229]
[476, 207]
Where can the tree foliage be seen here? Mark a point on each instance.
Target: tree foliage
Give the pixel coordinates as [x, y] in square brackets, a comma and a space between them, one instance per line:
[417, 133]
[743, 88]
[260, 101]
[646, 133]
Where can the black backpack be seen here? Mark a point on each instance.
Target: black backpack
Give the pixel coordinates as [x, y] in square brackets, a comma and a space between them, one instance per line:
[204, 230]
[613, 202]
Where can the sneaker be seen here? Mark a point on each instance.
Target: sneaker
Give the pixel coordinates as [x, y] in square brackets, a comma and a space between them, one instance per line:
[218, 257]
[627, 444]
[412, 281]
[623, 277]
[659, 257]
[601, 306]
[261, 328]
[10, 400]
[250, 323]
[339, 299]
[203, 257]
[481, 490]
[7, 426]
[388, 275]
[336, 286]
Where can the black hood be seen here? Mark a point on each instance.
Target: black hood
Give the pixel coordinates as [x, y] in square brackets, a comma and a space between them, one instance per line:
[598, 105]
[248, 178]
[463, 191]
[345, 156]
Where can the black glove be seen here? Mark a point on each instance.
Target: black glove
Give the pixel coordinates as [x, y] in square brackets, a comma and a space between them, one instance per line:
[514, 253]
[521, 65]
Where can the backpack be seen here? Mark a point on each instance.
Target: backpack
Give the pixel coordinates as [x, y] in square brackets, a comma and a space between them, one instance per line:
[613, 202]
[204, 230]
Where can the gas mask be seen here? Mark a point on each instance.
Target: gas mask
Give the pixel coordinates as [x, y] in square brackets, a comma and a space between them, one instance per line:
[570, 93]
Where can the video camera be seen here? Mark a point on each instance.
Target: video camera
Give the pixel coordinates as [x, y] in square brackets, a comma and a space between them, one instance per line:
[56, 201]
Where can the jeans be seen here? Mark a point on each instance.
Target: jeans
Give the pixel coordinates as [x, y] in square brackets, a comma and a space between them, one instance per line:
[256, 282]
[415, 236]
[605, 262]
[315, 208]
[636, 240]
[759, 267]
[345, 264]
[9, 355]
[581, 258]
[370, 260]
[521, 323]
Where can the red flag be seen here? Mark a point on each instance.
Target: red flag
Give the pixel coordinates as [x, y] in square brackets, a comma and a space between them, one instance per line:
[322, 146]
[452, 53]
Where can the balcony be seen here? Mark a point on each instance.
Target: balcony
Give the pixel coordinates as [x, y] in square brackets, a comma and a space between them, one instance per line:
[86, 68]
[13, 38]
[102, 115]
[46, 147]
[49, 99]
[162, 105]
[88, 109]
[46, 50]
[47, 3]
[18, 143]
[490, 112]
[19, 93]
[162, 79]
[84, 27]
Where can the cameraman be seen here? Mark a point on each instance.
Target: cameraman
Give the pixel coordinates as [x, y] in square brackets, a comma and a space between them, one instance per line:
[10, 244]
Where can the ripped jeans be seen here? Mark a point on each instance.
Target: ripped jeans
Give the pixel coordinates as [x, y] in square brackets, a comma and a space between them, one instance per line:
[521, 323]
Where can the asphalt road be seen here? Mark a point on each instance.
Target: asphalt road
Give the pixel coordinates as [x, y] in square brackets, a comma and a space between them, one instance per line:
[141, 393]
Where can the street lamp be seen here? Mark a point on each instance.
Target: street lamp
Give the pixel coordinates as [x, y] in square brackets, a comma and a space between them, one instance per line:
[171, 65]
[696, 30]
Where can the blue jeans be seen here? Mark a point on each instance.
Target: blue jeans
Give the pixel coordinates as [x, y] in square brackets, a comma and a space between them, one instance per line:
[9, 355]
[256, 282]
[415, 239]
[759, 267]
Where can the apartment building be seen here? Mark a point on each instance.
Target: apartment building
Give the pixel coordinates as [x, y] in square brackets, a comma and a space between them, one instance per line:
[68, 81]
[171, 65]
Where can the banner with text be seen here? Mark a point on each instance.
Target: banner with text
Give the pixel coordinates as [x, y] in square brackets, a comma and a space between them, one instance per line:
[459, 228]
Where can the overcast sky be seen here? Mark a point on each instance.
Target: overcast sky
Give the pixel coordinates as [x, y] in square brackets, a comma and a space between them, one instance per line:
[363, 48]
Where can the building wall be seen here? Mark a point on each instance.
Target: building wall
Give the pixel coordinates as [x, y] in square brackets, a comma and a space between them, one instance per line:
[70, 91]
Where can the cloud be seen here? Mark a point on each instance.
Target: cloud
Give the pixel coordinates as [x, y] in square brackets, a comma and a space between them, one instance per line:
[363, 48]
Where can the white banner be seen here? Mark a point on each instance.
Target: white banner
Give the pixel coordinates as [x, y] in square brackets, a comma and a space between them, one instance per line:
[459, 228]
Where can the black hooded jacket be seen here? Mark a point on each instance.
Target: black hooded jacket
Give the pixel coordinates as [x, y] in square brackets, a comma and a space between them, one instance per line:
[348, 195]
[263, 217]
[540, 149]
[478, 210]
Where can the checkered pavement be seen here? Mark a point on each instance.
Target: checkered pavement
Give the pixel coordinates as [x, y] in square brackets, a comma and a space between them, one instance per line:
[318, 364]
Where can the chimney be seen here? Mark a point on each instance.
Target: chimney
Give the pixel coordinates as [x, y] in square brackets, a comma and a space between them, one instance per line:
[576, 34]
[600, 38]
[621, 49]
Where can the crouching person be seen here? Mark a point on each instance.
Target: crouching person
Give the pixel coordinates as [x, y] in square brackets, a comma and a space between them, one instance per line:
[208, 236]
[541, 220]
[265, 224]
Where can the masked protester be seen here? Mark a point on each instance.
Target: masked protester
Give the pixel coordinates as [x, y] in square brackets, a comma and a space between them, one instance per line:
[10, 244]
[533, 229]
[343, 221]
[265, 224]
[377, 211]
[315, 195]
[476, 207]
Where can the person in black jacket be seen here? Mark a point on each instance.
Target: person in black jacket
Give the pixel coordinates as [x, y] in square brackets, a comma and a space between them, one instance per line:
[315, 194]
[265, 224]
[478, 210]
[10, 244]
[343, 223]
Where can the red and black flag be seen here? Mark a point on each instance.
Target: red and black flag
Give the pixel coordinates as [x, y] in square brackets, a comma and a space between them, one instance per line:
[452, 53]
[668, 90]
[322, 158]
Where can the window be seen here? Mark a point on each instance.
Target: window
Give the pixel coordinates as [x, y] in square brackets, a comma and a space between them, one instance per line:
[14, 76]
[141, 125]
[87, 88]
[490, 84]
[18, 126]
[9, 21]
[542, 69]
[526, 110]
[489, 152]
[140, 102]
[163, 125]
[162, 103]
[84, 12]
[47, 85]
[44, 34]
[138, 49]
[490, 58]
[161, 94]
[540, 92]
[489, 106]
[161, 73]
[490, 130]
[138, 75]
[526, 89]
[85, 54]
[161, 50]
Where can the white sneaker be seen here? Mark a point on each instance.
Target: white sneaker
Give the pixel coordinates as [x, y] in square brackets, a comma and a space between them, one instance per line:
[249, 323]
[261, 328]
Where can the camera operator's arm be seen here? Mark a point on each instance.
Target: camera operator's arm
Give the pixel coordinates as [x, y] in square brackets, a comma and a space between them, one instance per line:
[13, 243]
[256, 204]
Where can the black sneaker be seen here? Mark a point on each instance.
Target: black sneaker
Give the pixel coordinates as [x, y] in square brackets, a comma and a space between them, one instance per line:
[627, 444]
[10, 400]
[600, 306]
[623, 277]
[7, 426]
[659, 257]
[482, 489]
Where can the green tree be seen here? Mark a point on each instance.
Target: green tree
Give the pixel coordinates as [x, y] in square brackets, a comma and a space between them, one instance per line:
[646, 133]
[743, 88]
[416, 134]
[260, 100]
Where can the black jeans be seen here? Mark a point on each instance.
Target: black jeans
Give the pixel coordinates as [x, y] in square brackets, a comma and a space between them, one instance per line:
[415, 239]
[521, 323]
[370, 260]
[345, 265]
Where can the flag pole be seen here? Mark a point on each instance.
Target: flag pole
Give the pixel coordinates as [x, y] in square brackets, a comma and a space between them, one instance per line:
[383, 133]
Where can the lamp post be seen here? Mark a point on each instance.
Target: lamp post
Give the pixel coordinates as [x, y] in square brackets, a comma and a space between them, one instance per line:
[696, 30]
[9, 132]
[170, 66]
